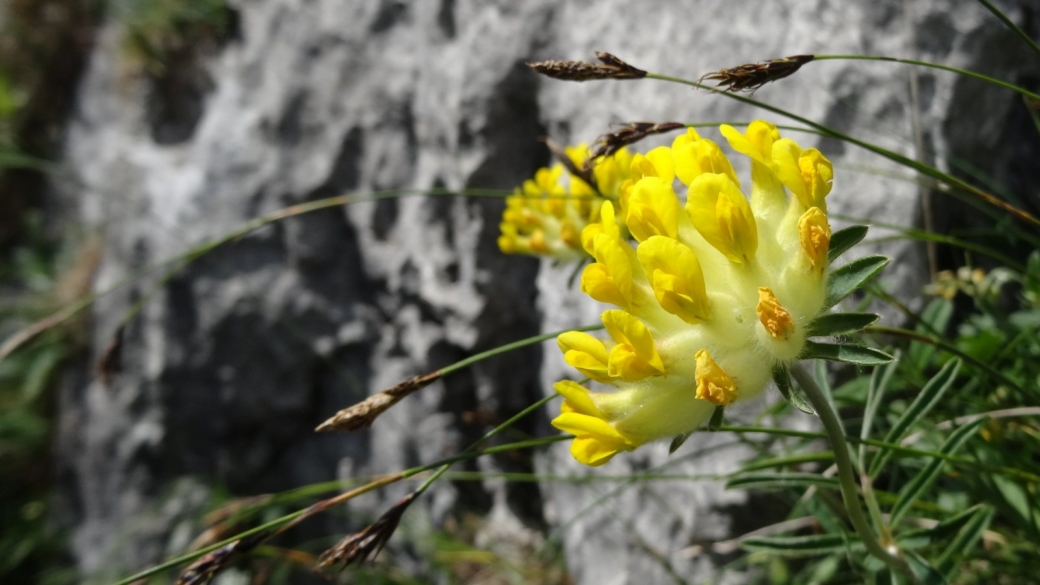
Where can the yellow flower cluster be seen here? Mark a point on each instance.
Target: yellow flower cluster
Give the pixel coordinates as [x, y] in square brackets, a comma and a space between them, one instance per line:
[715, 293]
[546, 215]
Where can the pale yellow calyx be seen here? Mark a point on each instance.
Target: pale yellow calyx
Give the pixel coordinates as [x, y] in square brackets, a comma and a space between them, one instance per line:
[722, 215]
[653, 209]
[774, 318]
[635, 356]
[676, 278]
[713, 383]
[584, 353]
[814, 235]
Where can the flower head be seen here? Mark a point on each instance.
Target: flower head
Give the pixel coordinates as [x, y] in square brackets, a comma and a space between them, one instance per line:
[710, 296]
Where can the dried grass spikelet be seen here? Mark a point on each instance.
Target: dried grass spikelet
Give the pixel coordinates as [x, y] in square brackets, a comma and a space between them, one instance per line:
[361, 415]
[628, 133]
[610, 67]
[560, 154]
[363, 545]
[750, 77]
[203, 570]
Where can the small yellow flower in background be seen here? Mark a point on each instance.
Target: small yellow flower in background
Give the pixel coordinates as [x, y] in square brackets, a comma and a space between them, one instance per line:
[711, 295]
[547, 214]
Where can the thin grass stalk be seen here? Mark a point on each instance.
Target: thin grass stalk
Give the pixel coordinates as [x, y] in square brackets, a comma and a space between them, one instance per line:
[386, 480]
[889, 154]
[1007, 22]
[965, 72]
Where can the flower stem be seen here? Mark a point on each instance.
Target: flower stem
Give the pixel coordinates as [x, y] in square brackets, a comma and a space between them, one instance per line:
[846, 475]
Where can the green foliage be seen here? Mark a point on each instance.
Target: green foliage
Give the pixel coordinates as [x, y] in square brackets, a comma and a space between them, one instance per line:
[158, 32]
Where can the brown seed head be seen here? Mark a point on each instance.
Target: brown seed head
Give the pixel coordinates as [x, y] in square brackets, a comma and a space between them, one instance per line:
[361, 546]
[361, 415]
[750, 77]
[610, 67]
[627, 133]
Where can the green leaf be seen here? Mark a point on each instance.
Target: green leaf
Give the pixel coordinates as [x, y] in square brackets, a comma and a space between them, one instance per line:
[927, 476]
[850, 354]
[716, 418]
[843, 281]
[879, 380]
[790, 394]
[796, 546]
[930, 395]
[965, 540]
[678, 442]
[840, 323]
[773, 480]
[923, 570]
[844, 239]
[946, 528]
[799, 459]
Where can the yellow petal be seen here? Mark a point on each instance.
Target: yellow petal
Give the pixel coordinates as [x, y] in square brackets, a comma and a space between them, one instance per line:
[756, 142]
[713, 383]
[576, 398]
[584, 353]
[721, 213]
[653, 210]
[817, 174]
[676, 277]
[776, 320]
[596, 441]
[690, 136]
[808, 174]
[635, 356]
[596, 282]
[696, 158]
[663, 162]
[814, 235]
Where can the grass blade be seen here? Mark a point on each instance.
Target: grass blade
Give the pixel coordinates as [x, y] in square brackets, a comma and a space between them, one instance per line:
[796, 546]
[774, 480]
[965, 539]
[927, 476]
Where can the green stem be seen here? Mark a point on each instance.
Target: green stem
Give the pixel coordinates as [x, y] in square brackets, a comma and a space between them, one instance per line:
[846, 474]
[889, 154]
[1007, 22]
[956, 70]
[476, 445]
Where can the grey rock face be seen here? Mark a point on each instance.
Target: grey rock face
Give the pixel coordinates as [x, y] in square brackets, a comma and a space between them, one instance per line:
[234, 359]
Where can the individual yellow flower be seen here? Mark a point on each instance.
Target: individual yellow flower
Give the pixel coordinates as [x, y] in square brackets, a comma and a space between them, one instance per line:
[712, 297]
